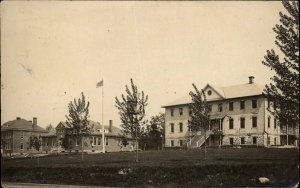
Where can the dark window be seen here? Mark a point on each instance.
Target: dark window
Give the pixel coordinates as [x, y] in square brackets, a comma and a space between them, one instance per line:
[180, 127]
[231, 141]
[269, 104]
[180, 111]
[269, 122]
[275, 123]
[209, 107]
[242, 123]
[254, 103]
[242, 105]
[268, 140]
[106, 141]
[220, 107]
[242, 140]
[172, 143]
[254, 140]
[180, 142]
[190, 111]
[254, 122]
[22, 146]
[172, 127]
[172, 112]
[275, 141]
[99, 141]
[231, 123]
[230, 106]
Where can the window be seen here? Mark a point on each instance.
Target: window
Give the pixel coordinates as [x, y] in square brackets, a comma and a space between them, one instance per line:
[172, 127]
[22, 134]
[106, 141]
[22, 146]
[254, 122]
[231, 123]
[254, 140]
[242, 105]
[268, 104]
[231, 141]
[209, 108]
[275, 141]
[242, 140]
[254, 103]
[77, 142]
[180, 142]
[190, 111]
[172, 143]
[269, 122]
[209, 92]
[94, 141]
[268, 140]
[220, 107]
[242, 122]
[230, 106]
[172, 112]
[180, 127]
[98, 141]
[275, 123]
[180, 112]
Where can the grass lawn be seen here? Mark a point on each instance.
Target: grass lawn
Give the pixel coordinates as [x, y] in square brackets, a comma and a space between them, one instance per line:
[222, 167]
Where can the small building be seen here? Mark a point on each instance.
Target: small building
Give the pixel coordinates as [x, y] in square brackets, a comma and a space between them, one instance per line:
[239, 115]
[114, 139]
[15, 136]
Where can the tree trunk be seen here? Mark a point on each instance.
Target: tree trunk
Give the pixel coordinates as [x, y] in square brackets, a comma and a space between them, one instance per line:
[81, 148]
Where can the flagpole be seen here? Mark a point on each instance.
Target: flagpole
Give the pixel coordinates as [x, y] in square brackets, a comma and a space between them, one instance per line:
[103, 140]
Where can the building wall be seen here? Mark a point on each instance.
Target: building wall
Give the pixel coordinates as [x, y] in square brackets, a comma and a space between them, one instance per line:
[176, 119]
[261, 132]
[22, 138]
[7, 142]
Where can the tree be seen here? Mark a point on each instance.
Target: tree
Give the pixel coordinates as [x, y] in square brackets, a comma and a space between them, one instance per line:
[154, 134]
[200, 116]
[77, 120]
[132, 112]
[35, 142]
[284, 89]
[49, 127]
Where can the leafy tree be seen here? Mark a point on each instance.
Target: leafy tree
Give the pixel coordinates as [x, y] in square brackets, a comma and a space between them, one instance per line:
[132, 112]
[284, 89]
[35, 142]
[49, 127]
[77, 120]
[154, 134]
[200, 116]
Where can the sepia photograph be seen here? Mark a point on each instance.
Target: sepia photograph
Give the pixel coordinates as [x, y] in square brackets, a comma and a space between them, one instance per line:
[149, 94]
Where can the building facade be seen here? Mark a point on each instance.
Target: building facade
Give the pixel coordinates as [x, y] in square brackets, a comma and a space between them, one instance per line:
[113, 139]
[15, 136]
[239, 115]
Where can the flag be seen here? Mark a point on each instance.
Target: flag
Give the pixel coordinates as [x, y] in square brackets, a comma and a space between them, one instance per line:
[100, 84]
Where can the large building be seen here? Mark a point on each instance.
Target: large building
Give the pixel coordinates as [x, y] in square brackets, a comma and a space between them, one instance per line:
[239, 116]
[15, 135]
[114, 140]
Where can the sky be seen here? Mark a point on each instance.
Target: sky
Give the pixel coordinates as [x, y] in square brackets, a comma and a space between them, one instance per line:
[52, 51]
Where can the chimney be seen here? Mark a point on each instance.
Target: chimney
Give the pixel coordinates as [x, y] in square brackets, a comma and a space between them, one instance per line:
[251, 78]
[110, 125]
[18, 118]
[34, 123]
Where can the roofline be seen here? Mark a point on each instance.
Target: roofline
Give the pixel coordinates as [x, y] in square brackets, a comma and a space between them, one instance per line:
[16, 129]
[224, 99]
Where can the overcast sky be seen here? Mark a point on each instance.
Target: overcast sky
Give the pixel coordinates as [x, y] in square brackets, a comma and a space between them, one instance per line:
[52, 51]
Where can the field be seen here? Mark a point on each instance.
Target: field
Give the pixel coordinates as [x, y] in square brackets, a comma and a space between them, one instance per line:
[171, 168]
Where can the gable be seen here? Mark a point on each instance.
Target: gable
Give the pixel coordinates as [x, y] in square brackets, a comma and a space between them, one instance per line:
[212, 93]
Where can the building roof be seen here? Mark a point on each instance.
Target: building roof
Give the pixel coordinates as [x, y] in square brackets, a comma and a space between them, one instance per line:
[97, 129]
[229, 92]
[21, 124]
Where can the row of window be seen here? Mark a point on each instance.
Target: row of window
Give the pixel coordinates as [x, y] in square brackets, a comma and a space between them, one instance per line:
[180, 143]
[96, 141]
[8, 146]
[242, 122]
[180, 127]
[220, 107]
[254, 140]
